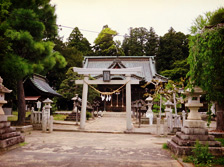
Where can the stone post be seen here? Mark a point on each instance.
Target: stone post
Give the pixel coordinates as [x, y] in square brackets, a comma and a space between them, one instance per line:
[184, 117]
[128, 103]
[169, 116]
[75, 108]
[149, 113]
[158, 126]
[84, 102]
[165, 127]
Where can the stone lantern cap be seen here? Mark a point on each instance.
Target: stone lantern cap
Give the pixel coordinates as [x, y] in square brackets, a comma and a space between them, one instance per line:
[197, 91]
[149, 99]
[47, 101]
[168, 103]
[3, 89]
[76, 97]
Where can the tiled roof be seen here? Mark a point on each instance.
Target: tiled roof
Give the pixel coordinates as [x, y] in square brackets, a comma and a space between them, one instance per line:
[40, 83]
[146, 62]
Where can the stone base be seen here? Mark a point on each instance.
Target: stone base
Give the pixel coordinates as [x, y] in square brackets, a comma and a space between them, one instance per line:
[183, 142]
[194, 124]
[187, 150]
[8, 135]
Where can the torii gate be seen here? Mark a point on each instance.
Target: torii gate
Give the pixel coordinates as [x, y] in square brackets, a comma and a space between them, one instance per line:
[91, 71]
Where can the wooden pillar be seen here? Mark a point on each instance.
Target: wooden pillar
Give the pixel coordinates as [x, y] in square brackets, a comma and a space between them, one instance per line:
[128, 103]
[84, 102]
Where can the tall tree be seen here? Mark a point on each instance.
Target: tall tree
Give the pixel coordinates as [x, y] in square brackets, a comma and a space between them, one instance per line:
[133, 44]
[173, 46]
[79, 42]
[152, 44]
[30, 27]
[104, 43]
[206, 62]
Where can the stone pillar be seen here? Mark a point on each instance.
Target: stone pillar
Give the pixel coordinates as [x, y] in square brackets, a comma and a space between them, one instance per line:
[128, 103]
[184, 117]
[149, 113]
[158, 126]
[165, 127]
[84, 102]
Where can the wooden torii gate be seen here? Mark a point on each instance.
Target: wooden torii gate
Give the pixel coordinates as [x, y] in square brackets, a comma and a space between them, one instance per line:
[97, 71]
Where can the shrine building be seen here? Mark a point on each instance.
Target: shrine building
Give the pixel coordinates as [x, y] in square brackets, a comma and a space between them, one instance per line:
[117, 100]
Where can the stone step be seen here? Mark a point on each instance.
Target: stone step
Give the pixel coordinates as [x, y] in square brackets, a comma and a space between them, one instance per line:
[7, 130]
[4, 124]
[11, 141]
[115, 114]
[9, 135]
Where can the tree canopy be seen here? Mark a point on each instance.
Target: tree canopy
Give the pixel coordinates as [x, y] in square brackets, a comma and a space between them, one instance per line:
[206, 62]
[173, 46]
[104, 43]
[28, 29]
[140, 42]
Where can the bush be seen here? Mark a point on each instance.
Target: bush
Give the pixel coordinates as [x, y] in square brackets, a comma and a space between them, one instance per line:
[88, 115]
[201, 155]
[165, 146]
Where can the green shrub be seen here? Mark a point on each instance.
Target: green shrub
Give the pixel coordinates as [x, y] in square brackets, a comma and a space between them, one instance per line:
[201, 155]
[165, 146]
[220, 140]
[88, 115]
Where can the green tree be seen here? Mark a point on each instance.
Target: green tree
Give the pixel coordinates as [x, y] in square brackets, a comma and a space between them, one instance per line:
[30, 27]
[104, 43]
[68, 89]
[206, 63]
[179, 70]
[79, 42]
[140, 42]
[173, 46]
[152, 44]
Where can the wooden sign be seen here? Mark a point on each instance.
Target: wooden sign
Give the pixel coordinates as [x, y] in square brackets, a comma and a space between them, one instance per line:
[106, 76]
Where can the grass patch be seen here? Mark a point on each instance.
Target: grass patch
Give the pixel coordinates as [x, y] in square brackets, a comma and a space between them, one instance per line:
[14, 116]
[221, 140]
[59, 117]
[165, 146]
[23, 144]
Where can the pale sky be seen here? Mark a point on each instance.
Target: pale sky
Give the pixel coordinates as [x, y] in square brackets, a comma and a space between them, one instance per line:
[120, 15]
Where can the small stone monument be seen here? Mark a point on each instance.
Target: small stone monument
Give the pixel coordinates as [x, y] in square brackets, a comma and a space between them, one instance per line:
[149, 113]
[47, 120]
[194, 129]
[8, 135]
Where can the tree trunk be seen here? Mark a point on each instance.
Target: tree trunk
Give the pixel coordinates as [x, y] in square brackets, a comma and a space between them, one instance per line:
[220, 117]
[21, 103]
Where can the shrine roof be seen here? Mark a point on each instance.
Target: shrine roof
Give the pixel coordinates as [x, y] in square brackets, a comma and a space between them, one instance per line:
[41, 84]
[146, 62]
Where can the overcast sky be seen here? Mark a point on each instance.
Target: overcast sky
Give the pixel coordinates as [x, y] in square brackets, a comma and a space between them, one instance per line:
[120, 15]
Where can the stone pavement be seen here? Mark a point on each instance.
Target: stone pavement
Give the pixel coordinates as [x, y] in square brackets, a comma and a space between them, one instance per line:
[67, 146]
[111, 122]
[69, 149]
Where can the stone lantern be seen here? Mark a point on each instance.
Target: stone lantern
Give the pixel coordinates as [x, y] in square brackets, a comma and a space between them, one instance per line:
[168, 105]
[193, 103]
[47, 120]
[149, 113]
[3, 90]
[47, 106]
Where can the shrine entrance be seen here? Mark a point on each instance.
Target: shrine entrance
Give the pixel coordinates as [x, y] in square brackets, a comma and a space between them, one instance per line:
[127, 72]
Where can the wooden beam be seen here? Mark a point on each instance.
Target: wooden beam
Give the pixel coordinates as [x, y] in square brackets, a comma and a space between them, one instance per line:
[101, 82]
[92, 71]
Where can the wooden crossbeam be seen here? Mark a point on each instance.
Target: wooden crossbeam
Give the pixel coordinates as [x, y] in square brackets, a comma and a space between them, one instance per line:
[101, 82]
[97, 71]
